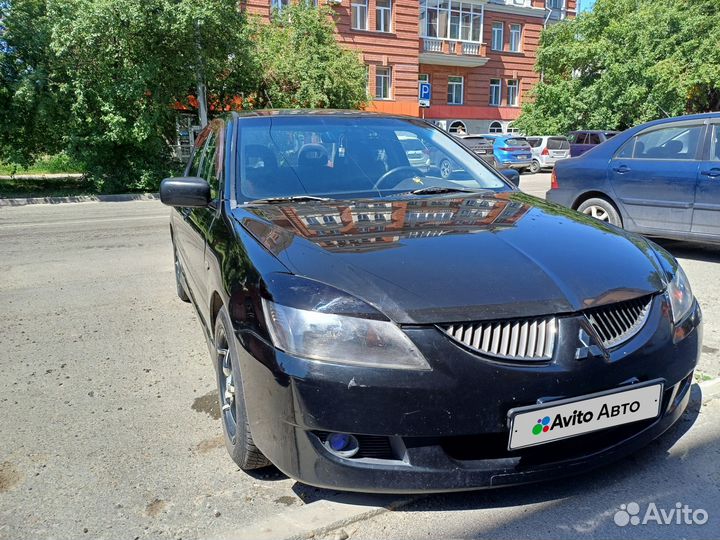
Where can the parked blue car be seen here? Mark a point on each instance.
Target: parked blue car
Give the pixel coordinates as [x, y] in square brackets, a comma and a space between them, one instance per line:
[659, 179]
[511, 152]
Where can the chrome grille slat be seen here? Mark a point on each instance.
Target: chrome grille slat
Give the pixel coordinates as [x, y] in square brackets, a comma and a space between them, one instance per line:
[617, 323]
[520, 339]
[534, 339]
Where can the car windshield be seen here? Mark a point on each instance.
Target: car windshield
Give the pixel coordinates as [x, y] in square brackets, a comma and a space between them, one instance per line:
[344, 157]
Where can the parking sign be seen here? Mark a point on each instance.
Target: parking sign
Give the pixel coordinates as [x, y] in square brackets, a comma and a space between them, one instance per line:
[425, 94]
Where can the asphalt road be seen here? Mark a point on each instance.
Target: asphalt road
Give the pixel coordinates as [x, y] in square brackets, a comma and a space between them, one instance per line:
[109, 425]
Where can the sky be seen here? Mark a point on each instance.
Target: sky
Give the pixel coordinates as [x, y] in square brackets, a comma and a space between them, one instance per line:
[586, 4]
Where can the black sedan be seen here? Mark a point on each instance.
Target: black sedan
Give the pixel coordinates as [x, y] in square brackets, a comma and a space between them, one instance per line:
[379, 328]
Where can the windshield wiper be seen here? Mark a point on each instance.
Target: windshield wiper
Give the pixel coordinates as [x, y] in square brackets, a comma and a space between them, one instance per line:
[291, 198]
[432, 190]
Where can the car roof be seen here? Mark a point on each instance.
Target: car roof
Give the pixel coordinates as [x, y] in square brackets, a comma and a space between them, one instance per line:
[344, 113]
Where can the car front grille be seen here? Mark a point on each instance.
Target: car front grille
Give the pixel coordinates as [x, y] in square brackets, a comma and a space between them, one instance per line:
[534, 339]
[528, 339]
[619, 322]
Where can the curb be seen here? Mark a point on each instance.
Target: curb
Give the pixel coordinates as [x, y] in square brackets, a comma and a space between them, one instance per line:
[318, 518]
[81, 199]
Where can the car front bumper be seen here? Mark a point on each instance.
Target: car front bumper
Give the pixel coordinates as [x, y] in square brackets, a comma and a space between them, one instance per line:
[447, 429]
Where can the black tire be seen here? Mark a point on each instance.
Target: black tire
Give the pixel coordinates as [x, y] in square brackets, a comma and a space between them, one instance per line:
[522, 171]
[181, 292]
[238, 439]
[535, 167]
[601, 209]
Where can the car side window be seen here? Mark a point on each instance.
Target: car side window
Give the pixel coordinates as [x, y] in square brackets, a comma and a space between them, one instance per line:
[626, 150]
[593, 138]
[581, 138]
[534, 142]
[669, 142]
[194, 169]
[209, 165]
[715, 142]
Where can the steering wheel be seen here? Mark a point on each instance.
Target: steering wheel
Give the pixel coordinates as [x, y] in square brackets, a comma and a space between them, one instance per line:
[392, 172]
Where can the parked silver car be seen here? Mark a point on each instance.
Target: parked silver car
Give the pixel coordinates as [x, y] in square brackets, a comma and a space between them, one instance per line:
[547, 150]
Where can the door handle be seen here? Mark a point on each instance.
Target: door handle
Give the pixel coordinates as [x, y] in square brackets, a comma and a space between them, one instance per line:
[621, 169]
[712, 173]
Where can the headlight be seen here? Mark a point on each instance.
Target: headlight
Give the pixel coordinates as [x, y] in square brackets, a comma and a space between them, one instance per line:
[681, 296]
[341, 339]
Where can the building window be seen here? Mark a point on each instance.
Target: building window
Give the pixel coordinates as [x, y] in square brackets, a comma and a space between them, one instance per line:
[458, 127]
[451, 20]
[383, 15]
[497, 36]
[495, 127]
[555, 4]
[279, 4]
[383, 82]
[360, 14]
[423, 78]
[515, 37]
[512, 129]
[455, 90]
[495, 92]
[513, 87]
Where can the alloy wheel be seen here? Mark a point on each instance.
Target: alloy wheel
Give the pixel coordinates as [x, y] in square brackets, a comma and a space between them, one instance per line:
[597, 212]
[445, 168]
[226, 386]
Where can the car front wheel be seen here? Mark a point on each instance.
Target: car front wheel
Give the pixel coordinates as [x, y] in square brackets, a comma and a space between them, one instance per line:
[602, 210]
[238, 439]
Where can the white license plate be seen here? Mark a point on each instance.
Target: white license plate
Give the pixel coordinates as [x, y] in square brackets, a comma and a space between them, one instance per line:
[558, 154]
[524, 157]
[537, 424]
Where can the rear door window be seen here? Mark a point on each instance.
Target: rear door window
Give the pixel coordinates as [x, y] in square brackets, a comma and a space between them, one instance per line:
[670, 142]
[534, 142]
[557, 143]
[593, 138]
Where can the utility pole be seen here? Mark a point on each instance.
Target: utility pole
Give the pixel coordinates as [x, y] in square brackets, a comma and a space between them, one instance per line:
[201, 94]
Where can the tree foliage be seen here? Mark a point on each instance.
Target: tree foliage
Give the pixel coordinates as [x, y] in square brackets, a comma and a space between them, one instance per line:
[101, 79]
[304, 66]
[626, 62]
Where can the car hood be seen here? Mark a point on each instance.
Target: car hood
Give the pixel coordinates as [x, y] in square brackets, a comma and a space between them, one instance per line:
[458, 258]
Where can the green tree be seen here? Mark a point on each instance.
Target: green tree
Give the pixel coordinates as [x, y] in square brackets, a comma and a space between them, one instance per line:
[626, 62]
[101, 79]
[304, 66]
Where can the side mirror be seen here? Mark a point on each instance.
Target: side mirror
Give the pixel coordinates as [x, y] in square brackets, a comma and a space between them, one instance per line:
[512, 175]
[185, 191]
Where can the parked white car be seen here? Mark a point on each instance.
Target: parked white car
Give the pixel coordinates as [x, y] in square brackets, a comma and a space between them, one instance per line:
[547, 150]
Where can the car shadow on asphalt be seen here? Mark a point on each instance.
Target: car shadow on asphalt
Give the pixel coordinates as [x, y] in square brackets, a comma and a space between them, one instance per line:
[510, 496]
[692, 250]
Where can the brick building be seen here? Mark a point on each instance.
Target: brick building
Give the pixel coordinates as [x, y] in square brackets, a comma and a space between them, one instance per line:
[478, 55]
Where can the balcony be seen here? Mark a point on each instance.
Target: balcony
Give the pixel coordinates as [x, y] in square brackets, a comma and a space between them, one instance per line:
[444, 52]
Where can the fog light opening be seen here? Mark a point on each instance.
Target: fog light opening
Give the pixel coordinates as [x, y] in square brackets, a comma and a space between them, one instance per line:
[342, 444]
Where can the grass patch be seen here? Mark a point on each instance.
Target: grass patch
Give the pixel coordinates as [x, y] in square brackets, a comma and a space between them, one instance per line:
[56, 164]
[14, 188]
[702, 377]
